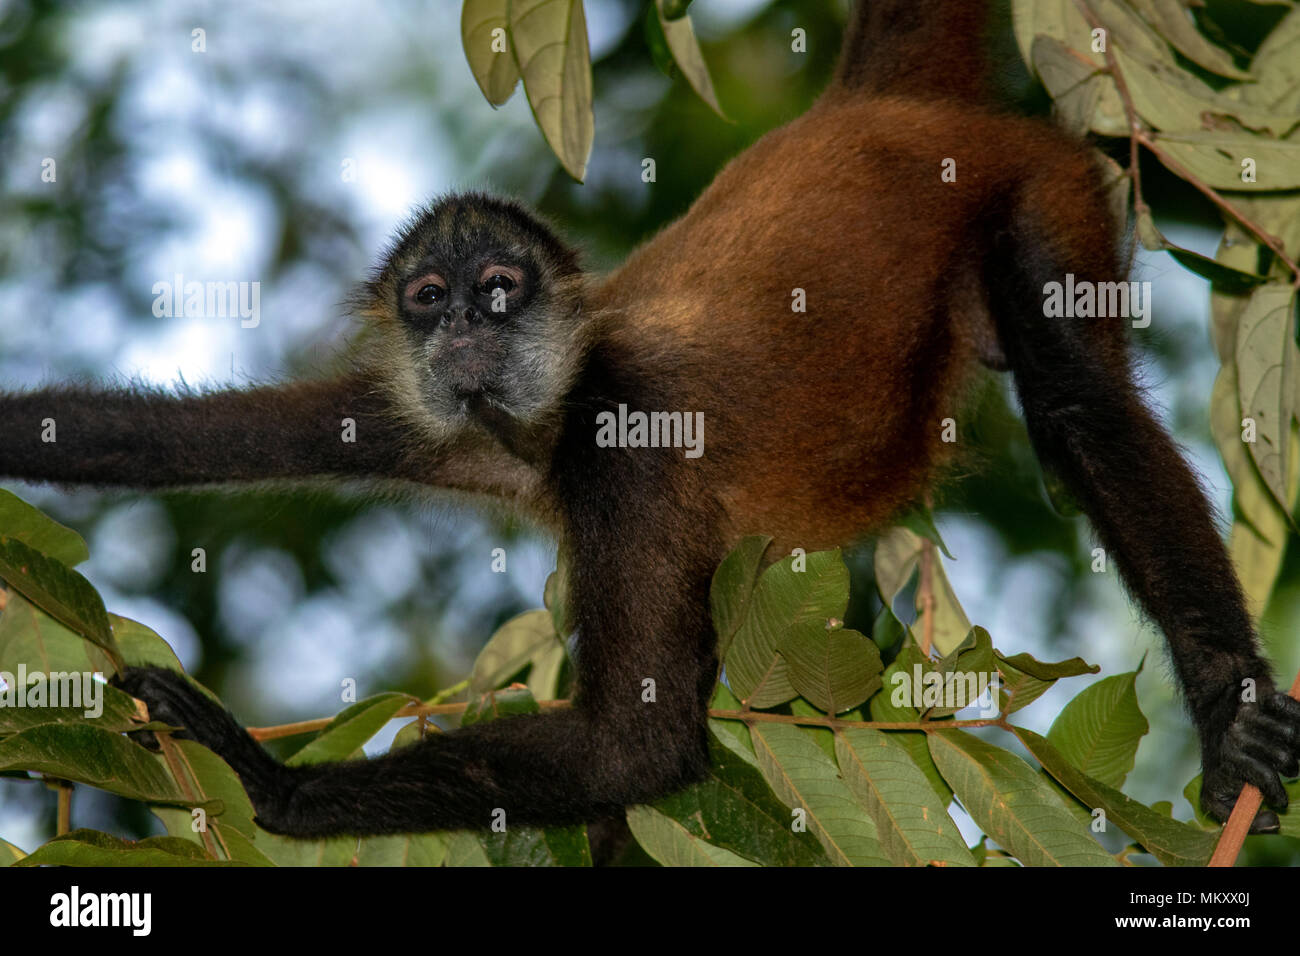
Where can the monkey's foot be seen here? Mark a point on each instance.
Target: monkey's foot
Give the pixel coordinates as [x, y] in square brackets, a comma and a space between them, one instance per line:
[1261, 745]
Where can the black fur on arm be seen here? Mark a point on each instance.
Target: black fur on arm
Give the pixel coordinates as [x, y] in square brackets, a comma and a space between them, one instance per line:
[645, 661]
[1089, 423]
[143, 438]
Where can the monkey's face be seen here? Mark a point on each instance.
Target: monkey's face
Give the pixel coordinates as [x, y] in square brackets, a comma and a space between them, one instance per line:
[463, 315]
[488, 302]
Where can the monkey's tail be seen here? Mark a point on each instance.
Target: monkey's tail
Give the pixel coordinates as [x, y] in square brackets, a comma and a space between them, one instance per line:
[924, 48]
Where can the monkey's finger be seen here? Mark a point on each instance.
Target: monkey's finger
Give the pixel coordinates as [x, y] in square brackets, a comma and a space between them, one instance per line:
[1252, 766]
[1276, 730]
[1265, 821]
[1286, 709]
[1218, 803]
[1265, 744]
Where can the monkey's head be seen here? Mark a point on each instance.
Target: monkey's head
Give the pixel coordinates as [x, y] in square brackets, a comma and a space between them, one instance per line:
[482, 306]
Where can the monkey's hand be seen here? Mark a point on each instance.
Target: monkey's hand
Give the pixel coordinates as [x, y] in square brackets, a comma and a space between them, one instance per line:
[173, 700]
[1261, 745]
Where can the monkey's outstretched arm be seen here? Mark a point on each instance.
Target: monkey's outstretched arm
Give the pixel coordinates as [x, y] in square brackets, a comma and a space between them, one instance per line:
[137, 438]
[152, 439]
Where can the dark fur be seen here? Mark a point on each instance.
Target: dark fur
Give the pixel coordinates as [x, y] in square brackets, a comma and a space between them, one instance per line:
[819, 427]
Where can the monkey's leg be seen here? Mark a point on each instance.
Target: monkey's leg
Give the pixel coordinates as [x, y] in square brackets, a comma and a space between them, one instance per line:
[637, 731]
[1088, 423]
[151, 439]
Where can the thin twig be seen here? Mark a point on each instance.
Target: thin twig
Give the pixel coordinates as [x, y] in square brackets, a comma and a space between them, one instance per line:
[410, 710]
[64, 823]
[425, 710]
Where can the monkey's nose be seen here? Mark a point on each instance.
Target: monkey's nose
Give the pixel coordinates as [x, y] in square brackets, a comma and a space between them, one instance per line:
[463, 319]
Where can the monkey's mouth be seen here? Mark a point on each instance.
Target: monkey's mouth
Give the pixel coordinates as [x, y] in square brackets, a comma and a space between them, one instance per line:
[468, 366]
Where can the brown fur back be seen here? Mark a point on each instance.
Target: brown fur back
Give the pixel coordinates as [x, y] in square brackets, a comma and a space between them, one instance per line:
[822, 425]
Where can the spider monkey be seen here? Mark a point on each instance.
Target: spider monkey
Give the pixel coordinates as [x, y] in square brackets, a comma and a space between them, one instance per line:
[494, 354]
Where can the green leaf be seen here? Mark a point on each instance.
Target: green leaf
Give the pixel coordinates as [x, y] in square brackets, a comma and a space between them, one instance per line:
[961, 671]
[1276, 66]
[1266, 372]
[1084, 95]
[345, 734]
[525, 641]
[1061, 19]
[424, 849]
[1290, 820]
[1170, 98]
[897, 556]
[1100, 729]
[532, 846]
[1226, 278]
[733, 587]
[913, 825]
[549, 41]
[30, 637]
[494, 70]
[92, 848]
[1216, 159]
[1170, 842]
[784, 600]
[885, 708]
[672, 844]
[411, 734]
[989, 856]
[1012, 804]
[40, 532]
[9, 854]
[805, 778]
[141, 647]
[58, 590]
[888, 630]
[733, 733]
[230, 818]
[733, 809]
[1170, 19]
[1017, 689]
[555, 596]
[834, 668]
[921, 523]
[117, 709]
[499, 703]
[87, 754]
[464, 849]
[685, 48]
[1074, 667]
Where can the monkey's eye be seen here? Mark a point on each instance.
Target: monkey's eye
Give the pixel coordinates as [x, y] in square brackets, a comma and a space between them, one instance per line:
[500, 278]
[499, 281]
[425, 291]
